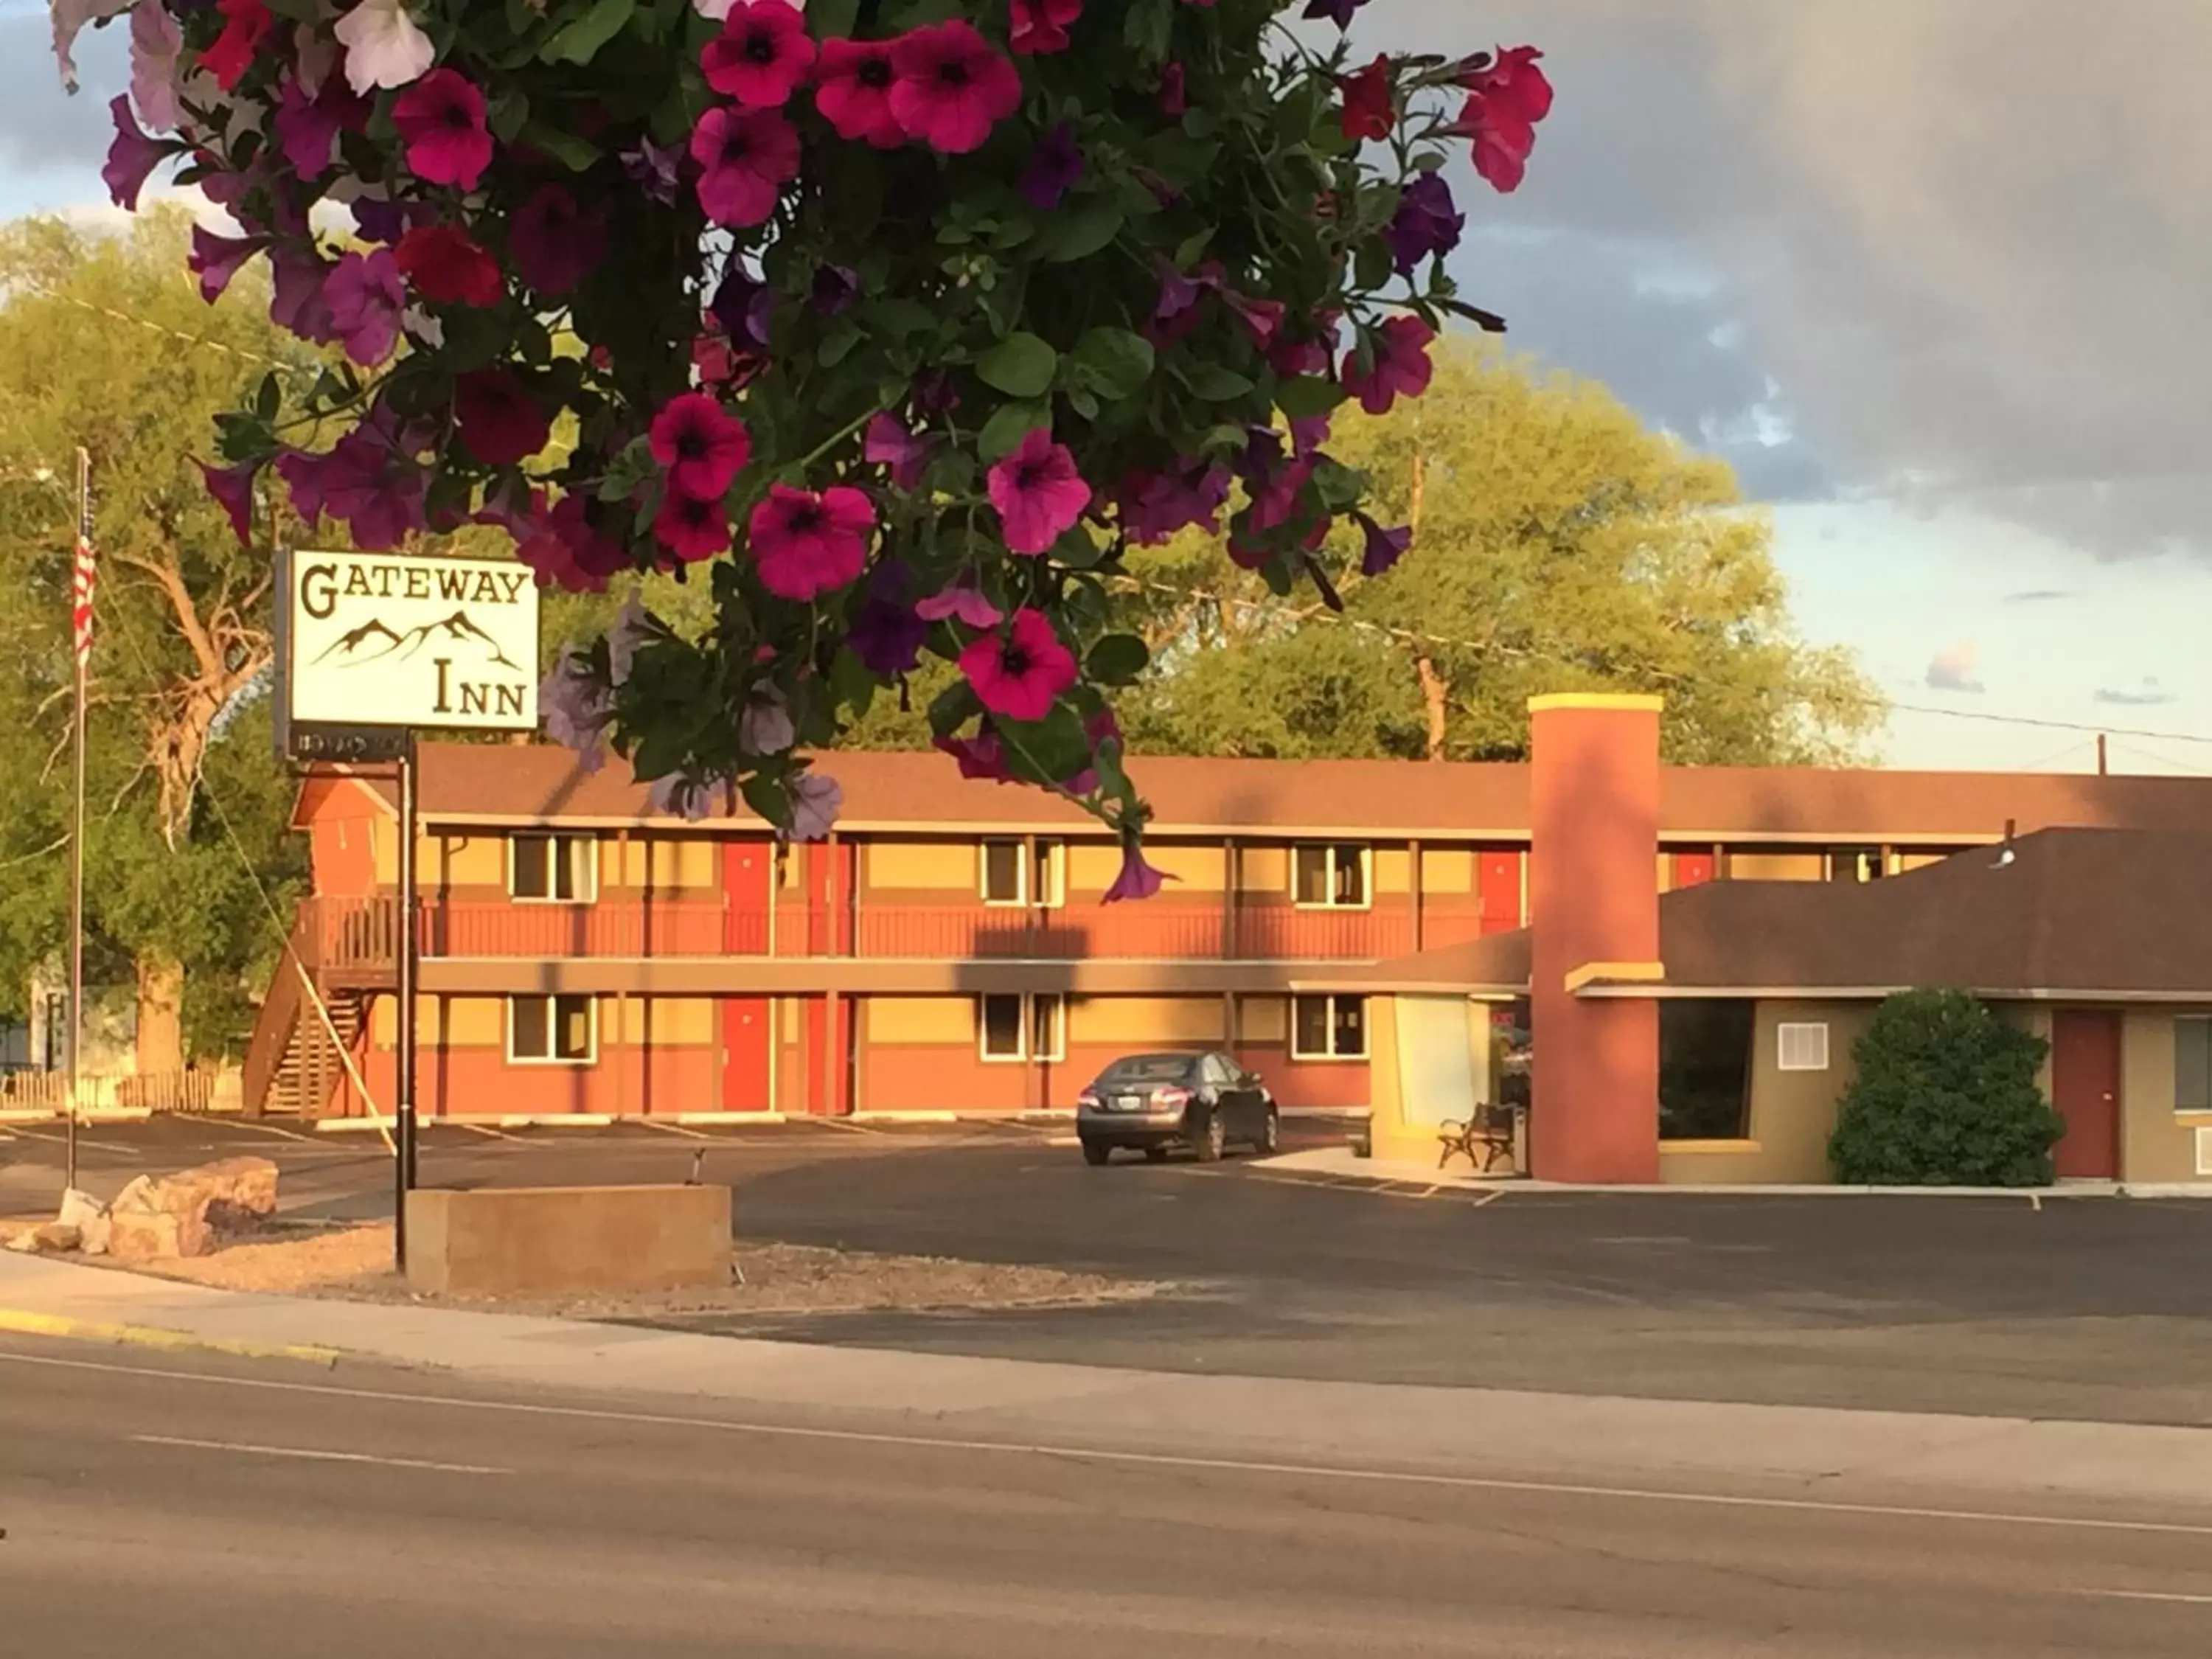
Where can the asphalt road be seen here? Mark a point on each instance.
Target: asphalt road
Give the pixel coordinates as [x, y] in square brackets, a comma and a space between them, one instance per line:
[2089, 1309]
[202, 1509]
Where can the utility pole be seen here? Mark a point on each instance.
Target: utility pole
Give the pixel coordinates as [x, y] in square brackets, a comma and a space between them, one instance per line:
[404, 1161]
[2103, 770]
[81, 580]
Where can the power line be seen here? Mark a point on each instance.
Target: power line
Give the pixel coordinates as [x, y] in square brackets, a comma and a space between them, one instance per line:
[2054, 725]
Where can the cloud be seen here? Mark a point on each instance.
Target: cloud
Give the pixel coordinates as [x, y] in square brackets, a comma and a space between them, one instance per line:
[1964, 303]
[2150, 694]
[1953, 669]
[2037, 596]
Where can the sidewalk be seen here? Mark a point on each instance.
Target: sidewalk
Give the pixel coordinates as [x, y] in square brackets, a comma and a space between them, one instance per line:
[1844, 1455]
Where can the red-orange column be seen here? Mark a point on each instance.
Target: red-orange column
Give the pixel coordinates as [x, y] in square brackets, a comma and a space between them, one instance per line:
[1594, 1114]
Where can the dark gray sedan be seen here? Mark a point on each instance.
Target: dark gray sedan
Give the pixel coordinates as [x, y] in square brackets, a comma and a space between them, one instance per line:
[1156, 1102]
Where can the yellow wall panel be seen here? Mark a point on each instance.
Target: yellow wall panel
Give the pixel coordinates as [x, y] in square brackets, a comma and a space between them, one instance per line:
[674, 1022]
[384, 848]
[1091, 869]
[1140, 1021]
[1917, 860]
[921, 1019]
[1778, 867]
[1394, 869]
[1262, 1019]
[791, 1018]
[1266, 869]
[1447, 870]
[476, 1022]
[940, 865]
[462, 862]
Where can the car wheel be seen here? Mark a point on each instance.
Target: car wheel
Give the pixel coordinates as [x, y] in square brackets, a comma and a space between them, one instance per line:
[1271, 1134]
[1156, 1154]
[1096, 1151]
[1212, 1139]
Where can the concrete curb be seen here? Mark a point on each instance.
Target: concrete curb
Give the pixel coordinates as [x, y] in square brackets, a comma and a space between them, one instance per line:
[21, 1323]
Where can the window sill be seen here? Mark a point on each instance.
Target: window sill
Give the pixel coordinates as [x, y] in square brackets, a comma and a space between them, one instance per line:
[1328, 1060]
[574, 903]
[1347, 909]
[1710, 1148]
[526, 1060]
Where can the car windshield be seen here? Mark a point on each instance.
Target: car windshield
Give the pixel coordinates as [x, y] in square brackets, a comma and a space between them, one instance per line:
[1147, 1068]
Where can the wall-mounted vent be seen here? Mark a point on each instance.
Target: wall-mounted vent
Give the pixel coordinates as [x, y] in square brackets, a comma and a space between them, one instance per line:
[2204, 1152]
[1801, 1048]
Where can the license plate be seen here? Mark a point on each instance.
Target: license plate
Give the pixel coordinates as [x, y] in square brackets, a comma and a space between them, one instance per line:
[1128, 1103]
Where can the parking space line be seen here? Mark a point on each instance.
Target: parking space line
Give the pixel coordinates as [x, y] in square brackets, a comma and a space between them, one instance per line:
[667, 1128]
[482, 1129]
[847, 1125]
[267, 1129]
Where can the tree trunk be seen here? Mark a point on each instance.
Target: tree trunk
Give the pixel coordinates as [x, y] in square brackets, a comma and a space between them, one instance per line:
[160, 1042]
[1434, 692]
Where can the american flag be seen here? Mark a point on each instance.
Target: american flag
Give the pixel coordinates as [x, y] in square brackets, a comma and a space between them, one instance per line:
[82, 583]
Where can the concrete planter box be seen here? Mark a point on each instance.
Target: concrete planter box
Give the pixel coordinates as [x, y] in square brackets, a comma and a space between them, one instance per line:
[550, 1240]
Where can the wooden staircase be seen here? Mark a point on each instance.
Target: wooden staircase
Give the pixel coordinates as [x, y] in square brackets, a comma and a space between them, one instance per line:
[295, 1063]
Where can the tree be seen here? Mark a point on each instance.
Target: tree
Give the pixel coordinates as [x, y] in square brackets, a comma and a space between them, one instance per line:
[1560, 545]
[103, 347]
[1946, 1094]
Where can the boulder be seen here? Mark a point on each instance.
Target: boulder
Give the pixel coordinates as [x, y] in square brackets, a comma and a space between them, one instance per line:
[195, 1205]
[90, 1217]
[48, 1238]
[152, 1236]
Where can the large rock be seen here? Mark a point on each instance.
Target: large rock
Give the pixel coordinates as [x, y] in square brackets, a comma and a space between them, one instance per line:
[152, 1219]
[90, 1217]
[48, 1238]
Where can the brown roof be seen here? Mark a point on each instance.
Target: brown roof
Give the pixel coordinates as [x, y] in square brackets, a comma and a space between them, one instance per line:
[2086, 913]
[1360, 798]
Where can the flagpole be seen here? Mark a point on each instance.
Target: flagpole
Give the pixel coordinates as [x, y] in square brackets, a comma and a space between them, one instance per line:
[82, 619]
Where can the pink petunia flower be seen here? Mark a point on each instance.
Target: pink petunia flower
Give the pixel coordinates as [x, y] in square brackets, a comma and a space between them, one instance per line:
[745, 158]
[1401, 368]
[1381, 548]
[808, 545]
[556, 243]
[953, 86]
[980, 756]
[1041, 25]
[216, 260]
[852, 89]
[446, 268]
[365, 293]
[703, 446]
[233, 489]
[383, 46]
[1137, 879]
[962, 599]
[500, 422]
[1175, 92]
[442, 117]
[1038, 492]
[1154, 507]
[156, 42]
[762, 56]
[1020, 675]
[889, 443]
[132, 157]
[692, 527]
[232, 52]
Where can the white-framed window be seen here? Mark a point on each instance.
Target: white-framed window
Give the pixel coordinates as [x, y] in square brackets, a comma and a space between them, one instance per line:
[1017, 1026]
[1330, 875]
[1802, 1047]
[553, 869]
[552, 1030]
[1007, 880]
[1328, 1027]
[2192, 1064]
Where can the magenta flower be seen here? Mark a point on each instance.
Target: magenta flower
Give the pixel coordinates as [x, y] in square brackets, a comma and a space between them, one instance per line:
[1262, 318]
[745, 158]
[554, 243]
[653, 168]
[365, 481]
[233, 489]
[297, 274]
[1175, 92]
[500, 422]
[1400, 367]
[1021, 674]
[216, 260]
[762, 56]
[1338, 12]
[1426, 222]
[562, 547]
[808, 545]
[886, 634]
[1308, 435]
[962, 599]
[365, 293]
[981, 757]
[442, 117]
[1038, 493]
[1154, 507]
[308, 125]
[692, 527]
[888, 443]
[953, 87]
[815, 803]
[132, 157]
[1055, 167]
[702, 446]
[1384, 548]
[853, 90]
[1041, 25]
[1137, 879]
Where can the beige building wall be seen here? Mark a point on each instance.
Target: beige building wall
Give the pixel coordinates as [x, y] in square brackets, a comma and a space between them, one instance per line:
[1176, 1021]
[1447, 870]
[1792, 1113]
[1394, 869]
[940, 865]
[2157, 1143]
[1263, 1019]
[1778, 867]
[919, 1020]
[1265, 870]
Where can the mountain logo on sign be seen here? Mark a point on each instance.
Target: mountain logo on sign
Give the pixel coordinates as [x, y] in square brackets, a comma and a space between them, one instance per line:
[375, 641]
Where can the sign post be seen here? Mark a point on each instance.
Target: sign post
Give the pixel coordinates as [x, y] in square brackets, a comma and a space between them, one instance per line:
[372, 649]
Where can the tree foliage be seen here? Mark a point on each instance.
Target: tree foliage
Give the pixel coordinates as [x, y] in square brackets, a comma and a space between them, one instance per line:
[1946, 1095]
[1560, 545]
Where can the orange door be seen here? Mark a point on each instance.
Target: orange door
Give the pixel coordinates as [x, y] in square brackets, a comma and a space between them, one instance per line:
[2085, 1087]
[1499, 884]
[746, 866]
[1693, 869]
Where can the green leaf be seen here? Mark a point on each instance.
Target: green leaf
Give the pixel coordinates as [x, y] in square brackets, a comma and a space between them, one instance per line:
[1119, 362]
[952, 709]
[853, 682]
[832, 20]
[1302, 397]
[270, 399]
[1049, 751]
[579, 42]
[1014, 421]
[899, 318]
[508, 114]
[1077, 549]
[1215, 384]
[1021, 366]
[1117, 660]
[843, 335]
[572, 152]
[767, 794]
[1081, 233]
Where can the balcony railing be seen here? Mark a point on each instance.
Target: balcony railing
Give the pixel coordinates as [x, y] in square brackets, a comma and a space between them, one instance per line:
[361, 935]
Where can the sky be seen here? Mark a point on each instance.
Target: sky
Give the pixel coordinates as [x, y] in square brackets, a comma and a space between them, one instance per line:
[1932, 274]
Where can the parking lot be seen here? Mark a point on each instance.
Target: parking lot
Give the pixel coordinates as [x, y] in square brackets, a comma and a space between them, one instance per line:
[2090, 1308]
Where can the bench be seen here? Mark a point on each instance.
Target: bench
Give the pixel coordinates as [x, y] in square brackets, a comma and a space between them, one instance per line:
[1483, 1139]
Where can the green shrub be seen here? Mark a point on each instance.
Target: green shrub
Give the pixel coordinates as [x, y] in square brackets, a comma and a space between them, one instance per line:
[1946, 1096]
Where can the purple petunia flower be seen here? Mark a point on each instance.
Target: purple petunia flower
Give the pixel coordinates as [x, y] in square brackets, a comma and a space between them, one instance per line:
[1426, 221]
[1054, 166]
